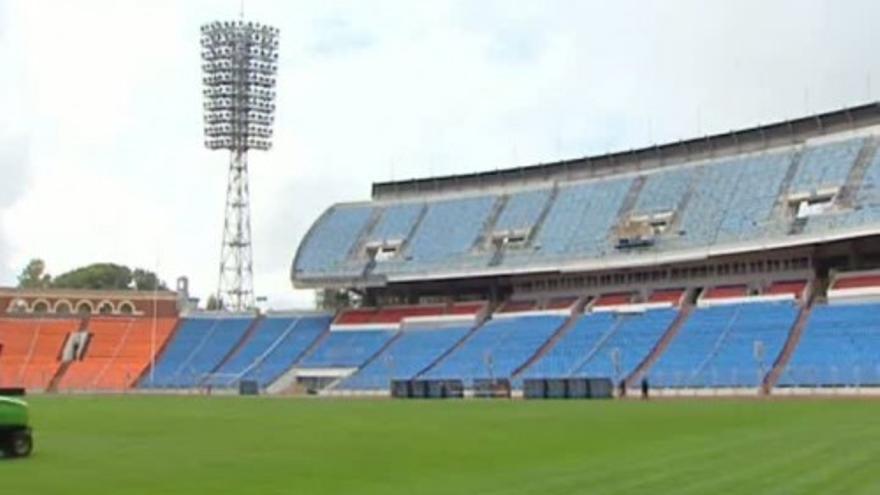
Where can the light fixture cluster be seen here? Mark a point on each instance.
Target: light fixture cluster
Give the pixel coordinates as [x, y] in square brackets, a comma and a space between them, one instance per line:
[240, 63]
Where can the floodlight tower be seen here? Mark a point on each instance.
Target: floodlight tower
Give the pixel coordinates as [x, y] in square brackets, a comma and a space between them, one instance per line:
[240, 62]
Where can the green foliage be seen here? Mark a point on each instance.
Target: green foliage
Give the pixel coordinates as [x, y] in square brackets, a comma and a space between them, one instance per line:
[97, 276]
[333, 299]
[214, 303]
[146, 280]
[100, 276]
[34, 275]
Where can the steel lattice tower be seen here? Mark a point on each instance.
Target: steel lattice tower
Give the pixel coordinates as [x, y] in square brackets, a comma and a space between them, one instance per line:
[240, 62]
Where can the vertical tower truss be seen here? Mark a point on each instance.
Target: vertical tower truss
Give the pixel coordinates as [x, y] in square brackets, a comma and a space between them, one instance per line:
[240, 63]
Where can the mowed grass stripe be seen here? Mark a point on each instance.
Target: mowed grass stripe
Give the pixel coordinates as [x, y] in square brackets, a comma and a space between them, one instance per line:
[169, 445]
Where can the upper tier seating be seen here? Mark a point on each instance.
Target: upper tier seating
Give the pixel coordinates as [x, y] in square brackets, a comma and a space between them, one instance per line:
[826, 166]
[196, 349]
[522, 211]
[605, 344]
[460, 222]
[118, 352]
[728, 200]
[498, 348]
[396, 222]
[840, 346]
[580, 219]
[403, 359]
[32, 350]
[346, 349]
[716, 347]
[330, 245]
[663, 192]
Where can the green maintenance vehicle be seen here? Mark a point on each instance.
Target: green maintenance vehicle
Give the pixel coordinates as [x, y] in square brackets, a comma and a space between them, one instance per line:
[15, 431]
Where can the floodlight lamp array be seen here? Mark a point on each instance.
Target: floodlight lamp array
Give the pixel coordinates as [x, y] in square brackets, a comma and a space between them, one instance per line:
[240, 63]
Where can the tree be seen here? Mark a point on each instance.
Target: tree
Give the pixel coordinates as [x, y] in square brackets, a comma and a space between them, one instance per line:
[147, 280]
[98, 276]
[33, 276]
[214, 303]
[333, 299]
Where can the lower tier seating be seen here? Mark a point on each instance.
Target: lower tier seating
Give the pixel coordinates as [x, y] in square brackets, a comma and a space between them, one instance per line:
[273, 347]
[840, 346]
[31, 354]
[347, 348]
[196, 349]
[604, 345]
[732, 345]
[118, 352]
[497, 349]
[403, 359]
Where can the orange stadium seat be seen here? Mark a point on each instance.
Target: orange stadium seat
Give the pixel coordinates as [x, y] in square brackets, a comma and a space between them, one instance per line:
[119, 351]
[32, 350]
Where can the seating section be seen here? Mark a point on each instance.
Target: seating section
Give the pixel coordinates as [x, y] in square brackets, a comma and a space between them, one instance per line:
[118, 352]
[403, 359]
[396, 223]
[581, 218]
[497, 349]
[663, 191]
[522, 211]
[733, 200]
[733, 345]
[196, 350]
[728, 200]
[826, 165]
[604, 345]
[32, 348]
[347, 349]
[840, 346]
[328, 247]
[263, 344]
[282, 356]
[460, 222]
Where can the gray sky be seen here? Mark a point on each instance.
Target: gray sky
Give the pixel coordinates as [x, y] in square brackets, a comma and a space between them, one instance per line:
[101, 155]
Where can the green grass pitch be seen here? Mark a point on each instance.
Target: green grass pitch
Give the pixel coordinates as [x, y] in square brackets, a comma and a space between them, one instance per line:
[215, 445]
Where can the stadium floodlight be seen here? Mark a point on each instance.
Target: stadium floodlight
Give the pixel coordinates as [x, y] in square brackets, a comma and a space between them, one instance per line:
[239, 66]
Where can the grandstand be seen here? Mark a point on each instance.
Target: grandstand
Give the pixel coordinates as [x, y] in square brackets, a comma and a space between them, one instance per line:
[741, 263]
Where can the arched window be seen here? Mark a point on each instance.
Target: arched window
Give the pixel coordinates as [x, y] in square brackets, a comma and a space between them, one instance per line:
[126, 308]
[105, 308]
[84, 308]
[63, 307]
[18, 306]
[40, 306]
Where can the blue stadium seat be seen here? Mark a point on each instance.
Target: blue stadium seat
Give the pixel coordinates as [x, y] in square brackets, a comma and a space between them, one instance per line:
[347, 349]
[396, 222]
[522, 210]
[196, 349]
[325, 249]
[604, 345]
[826, 165]
[261, 350]
[412, 352]
[731, 345]
[840, 346]
[498, 348]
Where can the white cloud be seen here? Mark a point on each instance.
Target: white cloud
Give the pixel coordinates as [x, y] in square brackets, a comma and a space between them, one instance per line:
[106, 94]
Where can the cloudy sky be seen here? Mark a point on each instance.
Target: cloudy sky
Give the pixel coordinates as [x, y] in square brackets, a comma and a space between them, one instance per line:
[101, 155]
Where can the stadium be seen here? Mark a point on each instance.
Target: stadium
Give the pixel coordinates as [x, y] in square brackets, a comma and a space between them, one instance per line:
[693, 316]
